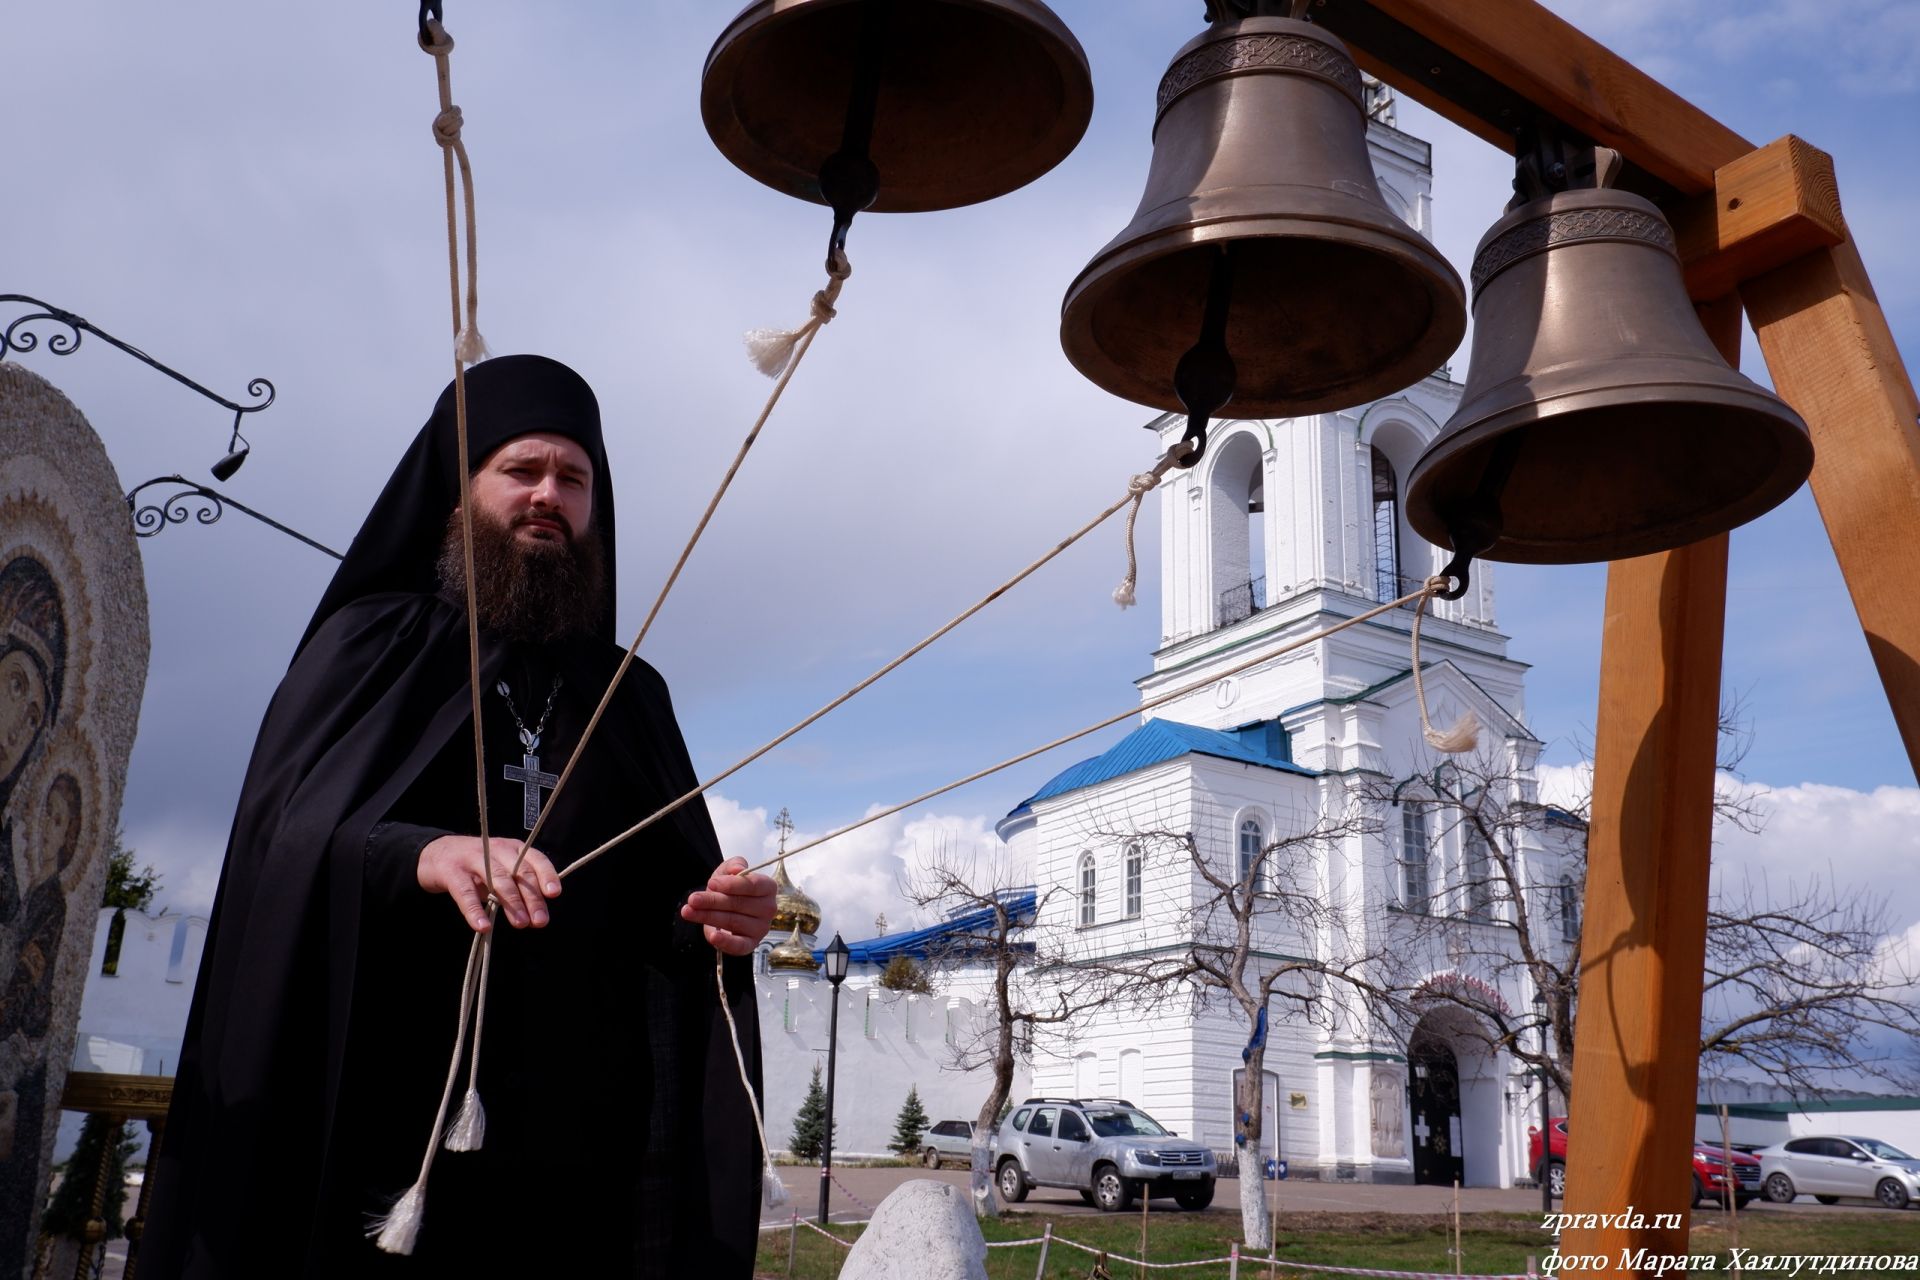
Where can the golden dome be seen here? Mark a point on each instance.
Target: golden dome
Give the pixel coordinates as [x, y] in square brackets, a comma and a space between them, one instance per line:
[794, 955]
[792, 908]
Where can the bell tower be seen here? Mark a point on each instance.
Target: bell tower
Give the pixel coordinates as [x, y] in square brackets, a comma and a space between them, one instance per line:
[1288, 525]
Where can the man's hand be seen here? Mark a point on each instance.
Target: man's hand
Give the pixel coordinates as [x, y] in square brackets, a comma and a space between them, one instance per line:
[457, 865]
[735, 909]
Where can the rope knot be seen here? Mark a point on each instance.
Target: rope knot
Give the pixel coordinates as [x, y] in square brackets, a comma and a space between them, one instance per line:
[823, 306]
[440, 44]
[446, 127]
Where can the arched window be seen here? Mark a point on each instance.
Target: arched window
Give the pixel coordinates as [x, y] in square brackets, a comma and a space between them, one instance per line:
[1478, 872]
[1415, 851]
[1236, 501]
[1252, 840]
[1133, 878]
[1569, 911]
[1386, 529]
[1089, 886]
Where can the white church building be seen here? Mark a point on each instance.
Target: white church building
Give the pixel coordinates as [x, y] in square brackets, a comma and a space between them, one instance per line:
[1283, 528]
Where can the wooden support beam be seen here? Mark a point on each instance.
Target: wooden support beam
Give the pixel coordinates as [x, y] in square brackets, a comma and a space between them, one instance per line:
[1833, 358]
[1768, 207]
[1649, 853]
[1561, 71]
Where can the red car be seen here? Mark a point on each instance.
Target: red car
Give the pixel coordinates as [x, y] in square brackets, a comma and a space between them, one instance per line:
[1712, 1177]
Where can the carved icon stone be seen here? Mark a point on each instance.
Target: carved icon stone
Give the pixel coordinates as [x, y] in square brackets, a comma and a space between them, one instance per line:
[73, 664]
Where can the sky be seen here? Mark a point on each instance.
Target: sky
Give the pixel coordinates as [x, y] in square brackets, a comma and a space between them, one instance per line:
[249, 190]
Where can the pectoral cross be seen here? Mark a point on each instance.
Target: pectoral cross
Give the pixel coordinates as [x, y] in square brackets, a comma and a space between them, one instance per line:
[532, 781]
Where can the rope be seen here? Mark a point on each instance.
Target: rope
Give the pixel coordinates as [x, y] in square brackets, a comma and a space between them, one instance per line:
[1177, 450]
[396, 1231]
[1464, 734]
[471, 347]
[773, 1191]
[1140, 486]
[817, 1229]
[1130, 712]
[823, 312]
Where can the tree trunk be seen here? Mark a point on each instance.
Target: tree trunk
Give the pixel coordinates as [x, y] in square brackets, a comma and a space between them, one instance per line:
[984, 1205]
[1254, 1222]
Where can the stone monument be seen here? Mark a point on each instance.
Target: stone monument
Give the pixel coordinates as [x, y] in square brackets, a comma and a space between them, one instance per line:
[73, 663]
[923, 1230]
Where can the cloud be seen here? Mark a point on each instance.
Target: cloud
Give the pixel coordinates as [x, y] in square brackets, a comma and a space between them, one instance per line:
[861, 875]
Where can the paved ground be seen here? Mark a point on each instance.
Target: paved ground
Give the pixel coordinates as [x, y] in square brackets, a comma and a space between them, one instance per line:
[856, 1190]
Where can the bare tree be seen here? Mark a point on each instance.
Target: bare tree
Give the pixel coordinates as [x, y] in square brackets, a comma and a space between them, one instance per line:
[1263, 937]
[1807, 986]
[990, 911]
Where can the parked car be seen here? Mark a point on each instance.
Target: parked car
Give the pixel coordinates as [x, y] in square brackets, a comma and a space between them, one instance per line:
[950, 1140]
[1716, 1173]
[1107, 1149]
[1830, 1167]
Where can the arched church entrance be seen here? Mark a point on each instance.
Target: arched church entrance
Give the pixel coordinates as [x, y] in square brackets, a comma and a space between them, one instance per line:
[1433, 1096]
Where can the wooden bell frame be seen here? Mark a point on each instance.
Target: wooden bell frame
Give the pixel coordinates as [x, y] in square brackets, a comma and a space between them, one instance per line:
[1759, 228]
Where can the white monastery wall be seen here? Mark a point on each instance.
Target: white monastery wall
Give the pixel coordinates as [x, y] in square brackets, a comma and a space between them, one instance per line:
[889, 1042]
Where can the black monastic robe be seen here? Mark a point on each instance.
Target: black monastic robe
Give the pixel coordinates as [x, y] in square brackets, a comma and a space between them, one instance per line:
[619, 1140]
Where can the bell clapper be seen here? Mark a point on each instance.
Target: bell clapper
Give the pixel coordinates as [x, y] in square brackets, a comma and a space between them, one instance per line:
[849, 180]
[1477, 524]
[1205, 377]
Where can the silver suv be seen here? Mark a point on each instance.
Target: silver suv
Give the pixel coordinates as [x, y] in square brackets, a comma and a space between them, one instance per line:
[1107, 1149]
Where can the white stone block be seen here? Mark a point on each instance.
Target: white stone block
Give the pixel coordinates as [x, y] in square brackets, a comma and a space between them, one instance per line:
[925, 1230]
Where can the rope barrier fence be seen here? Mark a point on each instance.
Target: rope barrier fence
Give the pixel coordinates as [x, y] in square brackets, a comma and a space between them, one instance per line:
[1235, 1261]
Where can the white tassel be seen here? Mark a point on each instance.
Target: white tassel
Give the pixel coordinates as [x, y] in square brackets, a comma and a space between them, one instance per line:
[1463, 736]
[772, 349]
[773, 1192]
[400, 1227]
[470, 347]
[1123, 594]
[469, 1128]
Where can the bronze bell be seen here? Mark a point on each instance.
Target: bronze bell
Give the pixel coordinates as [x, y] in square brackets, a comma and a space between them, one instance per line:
[1264, 234]
[1599, 421]
[896, 105]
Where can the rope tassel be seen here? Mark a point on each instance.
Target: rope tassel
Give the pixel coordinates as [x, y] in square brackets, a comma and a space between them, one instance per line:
[1464, 734]
[772, 350]
[469, 1127]
[398, 1229]
[1139, 487]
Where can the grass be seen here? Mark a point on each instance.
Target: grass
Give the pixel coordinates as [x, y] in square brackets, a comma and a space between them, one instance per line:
[1491, 1243]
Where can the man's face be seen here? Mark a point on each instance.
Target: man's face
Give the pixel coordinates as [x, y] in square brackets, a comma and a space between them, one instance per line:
[539, 486]
[23, 707]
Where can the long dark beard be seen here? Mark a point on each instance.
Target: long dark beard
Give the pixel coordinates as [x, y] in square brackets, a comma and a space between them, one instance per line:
[534, 592]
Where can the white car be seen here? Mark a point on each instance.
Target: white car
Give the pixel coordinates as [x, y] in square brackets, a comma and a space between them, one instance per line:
[1828, 1168]
[949, 1142]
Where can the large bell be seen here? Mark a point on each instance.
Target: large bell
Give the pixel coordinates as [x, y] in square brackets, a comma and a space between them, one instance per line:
[1261, 198]
[1599, 421]
[950, 101]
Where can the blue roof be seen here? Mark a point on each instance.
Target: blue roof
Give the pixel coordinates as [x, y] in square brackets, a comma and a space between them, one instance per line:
[939, 939]
[1263, 743]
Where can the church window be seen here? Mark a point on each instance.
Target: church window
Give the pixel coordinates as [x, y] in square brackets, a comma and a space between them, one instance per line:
[1133, 880]
[1252, 840]
[177, 953]
[1479, 876]
[1089, 886]
[1386, 529]
[1569, 911]
[1416, 886]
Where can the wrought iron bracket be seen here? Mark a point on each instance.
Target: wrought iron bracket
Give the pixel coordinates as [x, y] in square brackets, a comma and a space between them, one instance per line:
[153, 518]
[17, 337]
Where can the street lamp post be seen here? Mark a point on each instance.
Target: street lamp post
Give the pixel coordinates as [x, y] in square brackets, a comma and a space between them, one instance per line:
[1546, 1108]
[836, 967]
